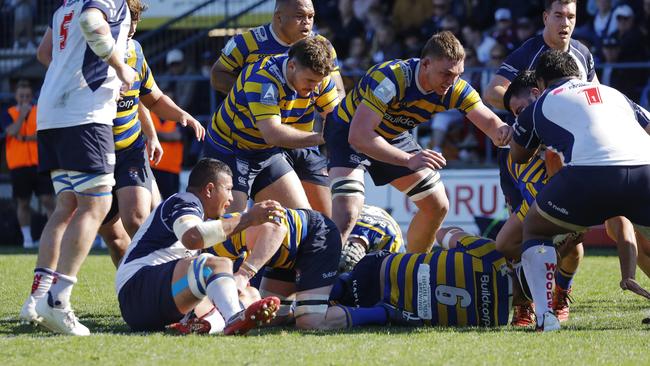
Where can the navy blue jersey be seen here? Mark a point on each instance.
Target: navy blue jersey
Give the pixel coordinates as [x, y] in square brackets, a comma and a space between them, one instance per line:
[526, 56]
[155, 242]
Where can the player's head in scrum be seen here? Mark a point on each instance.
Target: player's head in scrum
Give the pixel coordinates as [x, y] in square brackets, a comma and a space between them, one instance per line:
[310, 61]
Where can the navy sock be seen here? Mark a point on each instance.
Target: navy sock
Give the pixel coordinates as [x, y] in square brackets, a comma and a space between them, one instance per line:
[363, 316]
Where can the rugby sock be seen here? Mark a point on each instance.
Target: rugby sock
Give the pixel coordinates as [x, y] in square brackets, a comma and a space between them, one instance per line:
[363, 316]
[540, 261]
[60, 291]
[563, 279]
[43, 278]
[216, 321]
[27, 237]
[222, 291]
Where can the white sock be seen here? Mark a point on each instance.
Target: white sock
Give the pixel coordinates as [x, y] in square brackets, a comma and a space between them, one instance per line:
[42, 282]
[222, 291]
[539, 261]
[217, 323]
[61, 290]
[27, 236]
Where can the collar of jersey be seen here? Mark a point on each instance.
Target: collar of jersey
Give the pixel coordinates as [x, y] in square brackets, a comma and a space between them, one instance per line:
[277, 39]
[416, 76]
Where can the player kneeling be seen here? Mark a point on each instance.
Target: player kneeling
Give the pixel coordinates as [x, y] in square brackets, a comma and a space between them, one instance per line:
[467, 284]
[161, 278]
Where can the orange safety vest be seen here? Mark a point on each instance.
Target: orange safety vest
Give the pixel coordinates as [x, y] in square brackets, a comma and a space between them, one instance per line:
[22, 153]
[172, 158]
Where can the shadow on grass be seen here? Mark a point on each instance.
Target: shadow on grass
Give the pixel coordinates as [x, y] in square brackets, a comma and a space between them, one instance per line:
[16, 250]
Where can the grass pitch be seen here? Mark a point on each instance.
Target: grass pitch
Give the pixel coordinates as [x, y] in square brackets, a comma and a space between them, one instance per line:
[605, 328]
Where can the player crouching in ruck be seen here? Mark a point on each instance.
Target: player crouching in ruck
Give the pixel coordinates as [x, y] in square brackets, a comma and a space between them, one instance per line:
[465, 284]
[161, 278]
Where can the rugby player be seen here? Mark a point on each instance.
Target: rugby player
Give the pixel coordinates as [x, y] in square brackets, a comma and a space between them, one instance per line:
[292, 21]
[163, 277]
[466, 284]
[559, 19]
[132, 192]
[301, 256]
[369, 130]
[375, 230]
[574, 117]
[272, 106]
[84, 48]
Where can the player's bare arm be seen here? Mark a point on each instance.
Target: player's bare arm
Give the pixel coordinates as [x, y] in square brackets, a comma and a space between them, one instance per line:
[166, 109]
[263, 241]
[44, 52]
[488, 122]
[365, 139]
[277, 134]
[154, 149]
[495, 90]
[221, 78]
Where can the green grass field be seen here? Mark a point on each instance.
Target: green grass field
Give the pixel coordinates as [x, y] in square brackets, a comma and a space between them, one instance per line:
[605, 328]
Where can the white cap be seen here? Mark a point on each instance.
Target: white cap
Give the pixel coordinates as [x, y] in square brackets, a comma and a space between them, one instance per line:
[174, 55]
[623, 11]
[502, 14]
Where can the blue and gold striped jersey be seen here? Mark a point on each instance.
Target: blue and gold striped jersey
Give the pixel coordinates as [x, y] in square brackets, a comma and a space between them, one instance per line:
[391, 89]
[296, 222]
[126, 126]
[379, 230]
[254, 45]
[262, 92]
[465, 286]
[529, 178]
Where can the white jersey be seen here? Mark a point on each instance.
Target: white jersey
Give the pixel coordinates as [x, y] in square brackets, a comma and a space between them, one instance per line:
[155, 242]
[587, 124]
[79, 87]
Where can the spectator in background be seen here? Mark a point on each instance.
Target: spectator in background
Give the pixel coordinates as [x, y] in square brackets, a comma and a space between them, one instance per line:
[632, 49]
[611, 51]
[503, 29]
[476, 39]
[168, 170]
[412, 44]
[24, 23]
[177, 66]
[22, 160]
[525, 28]
[408, 15]
[451, 23]
[347, 28]
[441, 8]
[357, 61]
[384, 46]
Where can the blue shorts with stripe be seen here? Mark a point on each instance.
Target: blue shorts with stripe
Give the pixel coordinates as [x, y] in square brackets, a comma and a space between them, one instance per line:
[309, 164]
[342, 155]
[146, 300]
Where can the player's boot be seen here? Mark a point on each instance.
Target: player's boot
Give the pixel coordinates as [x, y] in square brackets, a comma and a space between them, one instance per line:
[523, 315]
[257, 314]
[191, 326]
[397, 316]
[28, 311]
[561, 300]
[59, 320]
[549, 323]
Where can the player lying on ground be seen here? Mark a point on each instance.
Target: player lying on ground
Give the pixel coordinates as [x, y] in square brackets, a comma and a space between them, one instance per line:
[466, 285]
[375, 230]
[162, 279]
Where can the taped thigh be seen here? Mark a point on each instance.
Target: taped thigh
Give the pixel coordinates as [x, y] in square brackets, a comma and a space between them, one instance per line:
[424, 186]
[311, 304]
[347, 187]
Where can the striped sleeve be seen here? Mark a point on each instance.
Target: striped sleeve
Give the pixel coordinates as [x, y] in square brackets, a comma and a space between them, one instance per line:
[146, 76]
[234, 53]
[263, 98]
[328, 96]
[379, 90]
[464, 97]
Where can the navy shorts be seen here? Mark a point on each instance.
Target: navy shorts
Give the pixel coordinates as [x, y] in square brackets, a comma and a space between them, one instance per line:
[168, 183]
[146, 301]
[342, 155]
[131, 170]
[268, 167]
[362, 286]
[309, 164]
[508, 187]
[318, 256]
[27, 180]
[588, 195]
[86, 148]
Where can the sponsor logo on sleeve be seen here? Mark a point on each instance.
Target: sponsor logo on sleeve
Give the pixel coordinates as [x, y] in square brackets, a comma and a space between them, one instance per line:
[385, 91]
[269, 95]
[260, 34]
[227, 49]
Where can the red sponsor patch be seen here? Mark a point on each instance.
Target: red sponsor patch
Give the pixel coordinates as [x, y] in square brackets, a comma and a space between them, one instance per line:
[593, 95]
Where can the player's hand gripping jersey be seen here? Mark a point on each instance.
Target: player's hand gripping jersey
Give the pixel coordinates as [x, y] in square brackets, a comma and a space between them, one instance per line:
[261, 92]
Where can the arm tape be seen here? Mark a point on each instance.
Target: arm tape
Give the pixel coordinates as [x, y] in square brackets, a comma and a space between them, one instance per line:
[102, 45]
[211, 232]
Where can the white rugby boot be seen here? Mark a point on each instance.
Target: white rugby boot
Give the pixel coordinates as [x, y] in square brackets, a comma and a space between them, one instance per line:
[550, 323]
[59, 320]
[28, 311]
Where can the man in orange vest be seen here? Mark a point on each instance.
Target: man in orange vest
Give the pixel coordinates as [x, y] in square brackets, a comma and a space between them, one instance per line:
[22, 160]
[167, 171]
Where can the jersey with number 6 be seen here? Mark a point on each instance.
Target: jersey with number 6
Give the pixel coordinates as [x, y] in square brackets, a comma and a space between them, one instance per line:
[79, 87]
[465, 286]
